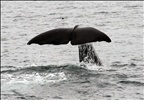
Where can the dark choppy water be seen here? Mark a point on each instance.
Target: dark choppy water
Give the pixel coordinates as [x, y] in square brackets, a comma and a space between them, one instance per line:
[53, 72]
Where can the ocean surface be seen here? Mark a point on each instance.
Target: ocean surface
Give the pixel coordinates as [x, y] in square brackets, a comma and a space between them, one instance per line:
[53, 72]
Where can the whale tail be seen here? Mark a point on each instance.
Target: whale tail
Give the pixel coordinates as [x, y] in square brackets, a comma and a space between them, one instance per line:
[77, 36]
[87, 54]
[65, 35]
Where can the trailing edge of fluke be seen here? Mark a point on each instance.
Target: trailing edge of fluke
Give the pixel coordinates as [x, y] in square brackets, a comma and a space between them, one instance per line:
[76, 35]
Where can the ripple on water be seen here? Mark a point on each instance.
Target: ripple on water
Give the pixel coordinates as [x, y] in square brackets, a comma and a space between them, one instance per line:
[119, 64]
[135, 83]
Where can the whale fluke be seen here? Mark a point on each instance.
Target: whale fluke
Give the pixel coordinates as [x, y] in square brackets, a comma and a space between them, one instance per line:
[76, 35]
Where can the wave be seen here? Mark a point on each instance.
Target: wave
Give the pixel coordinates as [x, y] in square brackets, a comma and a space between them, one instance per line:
[70, 72]
[48, 68]
[42, 74]
[132, 83]
[121, 64]
[53, 73]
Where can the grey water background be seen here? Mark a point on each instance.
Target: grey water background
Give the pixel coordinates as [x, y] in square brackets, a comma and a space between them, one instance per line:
[48, 72]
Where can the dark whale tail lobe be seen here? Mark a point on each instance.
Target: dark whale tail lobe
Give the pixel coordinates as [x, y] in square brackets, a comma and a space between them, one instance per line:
[87, 35]
[55, 37]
